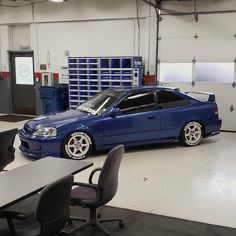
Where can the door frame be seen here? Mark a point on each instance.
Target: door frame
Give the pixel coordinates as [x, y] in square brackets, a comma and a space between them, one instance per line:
[11, 73]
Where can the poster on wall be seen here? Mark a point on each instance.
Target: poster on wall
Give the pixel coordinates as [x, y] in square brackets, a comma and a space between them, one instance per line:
[24, 70]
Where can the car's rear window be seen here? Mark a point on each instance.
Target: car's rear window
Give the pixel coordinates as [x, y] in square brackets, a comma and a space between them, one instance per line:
[167, 99]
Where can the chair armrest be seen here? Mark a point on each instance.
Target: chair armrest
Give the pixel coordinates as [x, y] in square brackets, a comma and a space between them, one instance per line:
[13, 215]
[92, 174]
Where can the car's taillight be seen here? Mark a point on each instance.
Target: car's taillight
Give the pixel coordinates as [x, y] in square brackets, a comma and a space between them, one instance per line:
[216, 110]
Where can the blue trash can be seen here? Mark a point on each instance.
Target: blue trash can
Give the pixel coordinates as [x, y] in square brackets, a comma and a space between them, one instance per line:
[54, 99]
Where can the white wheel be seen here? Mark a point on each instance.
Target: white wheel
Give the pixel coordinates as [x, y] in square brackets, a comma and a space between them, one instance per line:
[76, 146]
[192, 134]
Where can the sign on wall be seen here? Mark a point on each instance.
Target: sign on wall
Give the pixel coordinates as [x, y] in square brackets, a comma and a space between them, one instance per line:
[24, 70]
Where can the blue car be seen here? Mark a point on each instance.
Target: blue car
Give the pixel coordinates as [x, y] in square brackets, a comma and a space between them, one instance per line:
[122, 116]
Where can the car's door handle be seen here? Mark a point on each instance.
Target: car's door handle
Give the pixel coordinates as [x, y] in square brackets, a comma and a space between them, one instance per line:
[151, 117]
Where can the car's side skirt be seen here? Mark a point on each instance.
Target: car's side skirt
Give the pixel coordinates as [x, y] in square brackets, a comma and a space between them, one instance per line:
[138, 143]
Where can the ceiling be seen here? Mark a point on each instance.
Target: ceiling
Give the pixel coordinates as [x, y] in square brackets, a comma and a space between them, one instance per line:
[18, 3]
[15, 3]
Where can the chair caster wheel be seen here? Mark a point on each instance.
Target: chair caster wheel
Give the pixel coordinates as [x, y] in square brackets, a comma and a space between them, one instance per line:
[121, 224]
[69, 222]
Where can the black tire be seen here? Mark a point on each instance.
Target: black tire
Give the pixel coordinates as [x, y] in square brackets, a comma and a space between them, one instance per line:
[191, 134]
[76, 145]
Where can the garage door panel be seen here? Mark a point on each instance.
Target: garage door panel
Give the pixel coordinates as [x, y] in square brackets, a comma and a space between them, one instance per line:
[228, 119]
[183, 26]
[172, 48]
[207, 26]
[202, 6]
[217, 51]
[221, 49]
[220, 90]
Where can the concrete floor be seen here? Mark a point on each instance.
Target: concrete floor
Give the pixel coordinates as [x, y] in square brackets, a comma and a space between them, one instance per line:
[197, 183]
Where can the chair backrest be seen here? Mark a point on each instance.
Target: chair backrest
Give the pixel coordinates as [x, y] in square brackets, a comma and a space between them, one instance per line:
[108, 178]
[7, 150]
[53, 209]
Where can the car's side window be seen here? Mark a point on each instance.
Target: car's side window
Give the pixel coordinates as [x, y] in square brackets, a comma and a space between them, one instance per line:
[167, 99]
[138, 102]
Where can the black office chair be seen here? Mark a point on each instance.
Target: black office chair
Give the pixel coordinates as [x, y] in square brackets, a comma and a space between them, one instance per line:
[7, 150]
[93, 195]
[51, 213]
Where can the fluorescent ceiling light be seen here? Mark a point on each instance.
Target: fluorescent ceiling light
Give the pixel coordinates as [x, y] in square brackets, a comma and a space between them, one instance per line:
[58, 0]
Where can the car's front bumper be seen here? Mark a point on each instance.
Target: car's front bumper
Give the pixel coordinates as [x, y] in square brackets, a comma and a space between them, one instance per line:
[39, 147]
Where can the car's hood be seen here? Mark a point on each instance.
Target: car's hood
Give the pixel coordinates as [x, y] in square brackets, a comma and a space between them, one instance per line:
[58, 119]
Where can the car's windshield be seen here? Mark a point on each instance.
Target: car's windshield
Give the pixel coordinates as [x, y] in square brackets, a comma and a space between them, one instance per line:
[100, 102]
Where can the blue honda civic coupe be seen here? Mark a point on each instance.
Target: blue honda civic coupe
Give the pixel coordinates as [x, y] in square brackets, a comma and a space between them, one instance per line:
[122, 116]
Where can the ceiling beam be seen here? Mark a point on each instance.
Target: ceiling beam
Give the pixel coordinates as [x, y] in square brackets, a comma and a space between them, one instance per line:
[155, 5]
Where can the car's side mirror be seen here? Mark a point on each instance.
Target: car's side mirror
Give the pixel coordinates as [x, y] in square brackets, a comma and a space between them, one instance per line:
[114, 112]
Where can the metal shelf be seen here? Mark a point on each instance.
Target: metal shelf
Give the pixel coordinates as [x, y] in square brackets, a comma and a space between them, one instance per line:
[127, 68]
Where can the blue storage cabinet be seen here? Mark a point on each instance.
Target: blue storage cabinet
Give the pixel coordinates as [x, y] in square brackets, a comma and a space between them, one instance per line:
[54, 99]
[89, 75]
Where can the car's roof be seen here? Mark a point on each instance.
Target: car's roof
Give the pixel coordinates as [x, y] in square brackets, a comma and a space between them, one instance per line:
[143, 89]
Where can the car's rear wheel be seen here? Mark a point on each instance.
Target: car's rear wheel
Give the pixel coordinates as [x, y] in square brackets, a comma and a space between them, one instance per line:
[191, 134]
[76, 146]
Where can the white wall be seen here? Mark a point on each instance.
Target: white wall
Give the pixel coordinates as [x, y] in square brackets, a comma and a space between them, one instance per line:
[84, 27]
[4, 46]
[20, 37]
[15, 15]
[88, 10]
[98, 38]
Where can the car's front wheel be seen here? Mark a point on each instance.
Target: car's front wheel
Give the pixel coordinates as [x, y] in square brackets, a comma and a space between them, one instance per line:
[191, 134]
[76, 146]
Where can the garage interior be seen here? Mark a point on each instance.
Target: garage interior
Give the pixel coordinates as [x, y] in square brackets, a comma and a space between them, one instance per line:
[174, 38]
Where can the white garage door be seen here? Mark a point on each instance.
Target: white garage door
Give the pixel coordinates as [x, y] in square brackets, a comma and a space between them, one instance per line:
[200, 56]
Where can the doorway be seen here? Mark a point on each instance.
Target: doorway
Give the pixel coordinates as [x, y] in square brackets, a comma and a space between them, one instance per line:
[22, 82]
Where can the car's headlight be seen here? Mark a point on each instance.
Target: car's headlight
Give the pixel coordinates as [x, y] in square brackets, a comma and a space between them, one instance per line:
[46, 132]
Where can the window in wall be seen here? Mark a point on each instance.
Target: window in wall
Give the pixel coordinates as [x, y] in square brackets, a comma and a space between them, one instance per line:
[214, 72]
[139, 102]
[176, 72]
[24, 70]
[168, 99]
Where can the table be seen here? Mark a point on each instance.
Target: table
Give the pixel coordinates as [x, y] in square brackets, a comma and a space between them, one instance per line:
[25, 181]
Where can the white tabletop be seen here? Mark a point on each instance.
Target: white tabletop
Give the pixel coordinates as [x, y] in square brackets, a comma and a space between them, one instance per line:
[24, 181]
